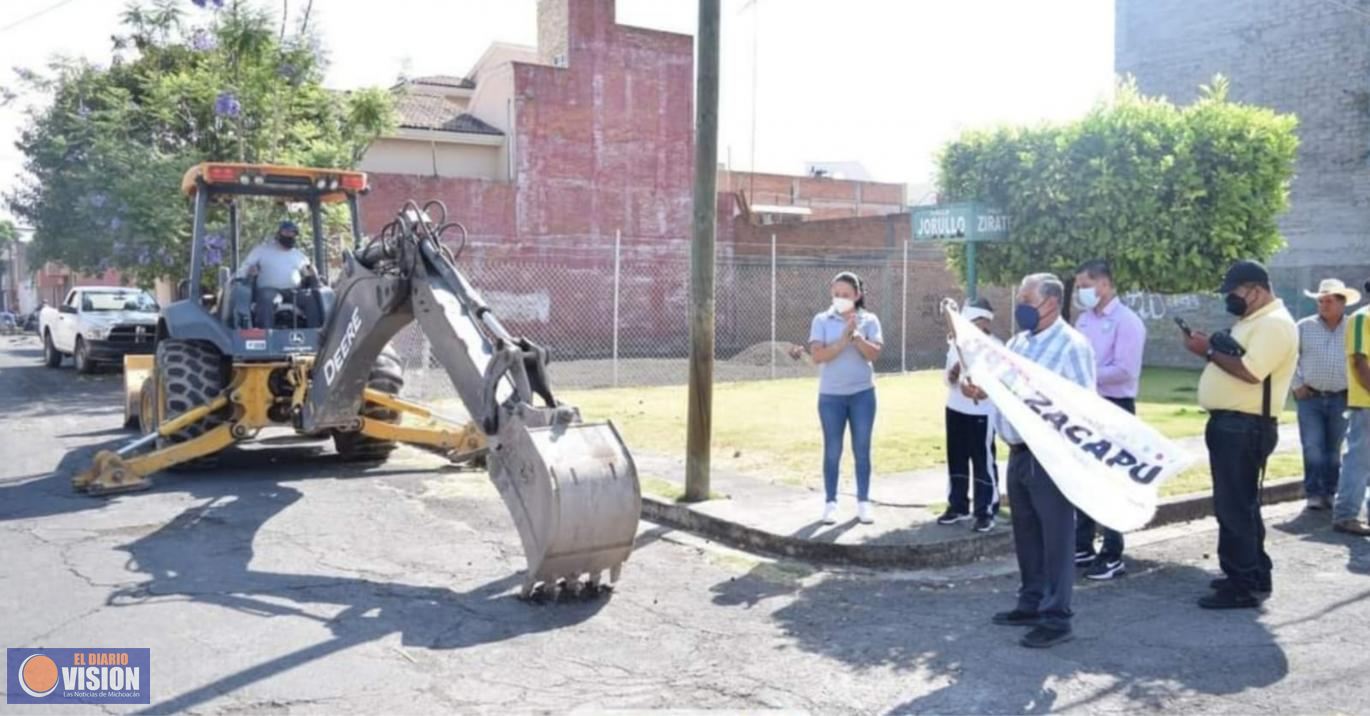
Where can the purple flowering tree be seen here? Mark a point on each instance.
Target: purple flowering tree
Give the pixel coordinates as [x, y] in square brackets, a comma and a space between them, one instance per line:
[215, 81]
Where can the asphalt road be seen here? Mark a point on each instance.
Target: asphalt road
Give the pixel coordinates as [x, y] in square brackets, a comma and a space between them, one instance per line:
[286, 581]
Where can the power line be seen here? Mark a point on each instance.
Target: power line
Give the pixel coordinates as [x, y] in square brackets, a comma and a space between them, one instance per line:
[35, 15]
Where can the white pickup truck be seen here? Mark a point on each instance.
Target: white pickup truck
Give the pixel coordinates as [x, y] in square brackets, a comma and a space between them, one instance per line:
[97, 324]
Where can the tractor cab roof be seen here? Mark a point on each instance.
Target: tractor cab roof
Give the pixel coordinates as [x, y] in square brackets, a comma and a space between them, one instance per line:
[286, 183]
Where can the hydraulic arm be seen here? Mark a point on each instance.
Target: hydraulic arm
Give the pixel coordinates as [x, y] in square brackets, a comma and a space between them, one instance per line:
[570, 486]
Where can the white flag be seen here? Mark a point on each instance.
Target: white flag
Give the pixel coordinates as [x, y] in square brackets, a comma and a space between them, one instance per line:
[1105, 460]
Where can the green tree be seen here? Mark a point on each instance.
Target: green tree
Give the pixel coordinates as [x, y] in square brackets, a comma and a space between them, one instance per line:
[8, 233]
[186, 83]
[1170, 195]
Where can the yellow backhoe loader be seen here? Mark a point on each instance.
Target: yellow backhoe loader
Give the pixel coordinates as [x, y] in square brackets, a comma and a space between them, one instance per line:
[323, 367]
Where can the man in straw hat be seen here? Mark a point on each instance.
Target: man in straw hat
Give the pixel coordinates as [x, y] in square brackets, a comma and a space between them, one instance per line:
[1351, 487]
[1320, 390]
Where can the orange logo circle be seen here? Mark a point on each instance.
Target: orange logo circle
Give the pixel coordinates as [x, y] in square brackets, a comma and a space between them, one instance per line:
[38, 675]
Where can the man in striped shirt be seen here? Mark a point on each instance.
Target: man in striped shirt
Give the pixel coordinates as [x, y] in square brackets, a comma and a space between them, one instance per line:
[1043, 519]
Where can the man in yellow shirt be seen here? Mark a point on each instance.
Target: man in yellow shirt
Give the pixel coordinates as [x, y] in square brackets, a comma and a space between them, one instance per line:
[1243, 388]
[1351, 485]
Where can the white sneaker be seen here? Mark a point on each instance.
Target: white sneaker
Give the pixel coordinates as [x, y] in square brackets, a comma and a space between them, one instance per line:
[863, 513]
[830, 513]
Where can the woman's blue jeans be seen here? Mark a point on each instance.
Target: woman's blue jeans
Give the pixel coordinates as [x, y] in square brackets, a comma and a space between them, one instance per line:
[836, 412]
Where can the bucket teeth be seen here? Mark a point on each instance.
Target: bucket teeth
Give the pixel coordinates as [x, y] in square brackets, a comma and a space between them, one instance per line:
[568, 588]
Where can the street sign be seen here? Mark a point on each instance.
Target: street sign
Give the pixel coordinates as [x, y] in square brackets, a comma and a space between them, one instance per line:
[966, 221]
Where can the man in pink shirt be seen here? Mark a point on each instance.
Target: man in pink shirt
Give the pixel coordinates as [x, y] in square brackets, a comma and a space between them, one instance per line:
[1118, 337]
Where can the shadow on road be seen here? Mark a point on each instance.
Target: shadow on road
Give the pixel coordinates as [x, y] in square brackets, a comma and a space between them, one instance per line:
[63, 391]
[1313, 527]
[1141, 637]
[205, 553]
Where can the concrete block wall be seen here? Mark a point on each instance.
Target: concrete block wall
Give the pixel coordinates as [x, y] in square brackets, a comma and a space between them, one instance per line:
[1306, 57]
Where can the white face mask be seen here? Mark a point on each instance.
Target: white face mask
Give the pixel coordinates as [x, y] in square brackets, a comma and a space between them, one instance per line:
[842, 305]
[1088, 297]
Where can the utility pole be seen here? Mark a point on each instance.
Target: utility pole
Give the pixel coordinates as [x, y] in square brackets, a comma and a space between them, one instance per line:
[701, 392]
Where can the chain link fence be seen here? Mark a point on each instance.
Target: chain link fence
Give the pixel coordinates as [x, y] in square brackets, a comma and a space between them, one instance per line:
[618, 316]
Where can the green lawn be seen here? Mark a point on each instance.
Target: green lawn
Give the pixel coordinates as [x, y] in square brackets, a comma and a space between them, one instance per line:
[1198, 479]
[770, 428]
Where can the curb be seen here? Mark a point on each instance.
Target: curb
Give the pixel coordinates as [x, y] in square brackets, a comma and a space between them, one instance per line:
[931, 555]
[1187, 508]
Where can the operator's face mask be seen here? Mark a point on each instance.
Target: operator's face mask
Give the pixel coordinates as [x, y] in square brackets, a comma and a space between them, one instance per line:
[842, 305]
[287, 240]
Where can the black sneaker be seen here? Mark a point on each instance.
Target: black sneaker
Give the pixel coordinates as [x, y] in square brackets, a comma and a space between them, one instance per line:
[1017, 617]
[1223, 583]
[950, 518]
[984, 524]
[1084, 558]
[1229, 599]
[1106, 569]
[1044, 637]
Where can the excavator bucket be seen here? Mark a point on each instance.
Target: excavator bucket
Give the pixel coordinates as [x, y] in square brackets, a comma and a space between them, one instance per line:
[573, 492]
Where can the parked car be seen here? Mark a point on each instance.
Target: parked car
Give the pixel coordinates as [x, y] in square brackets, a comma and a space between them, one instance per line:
[98, 324]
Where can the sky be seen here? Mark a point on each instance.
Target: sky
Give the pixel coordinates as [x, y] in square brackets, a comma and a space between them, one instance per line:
[880, 82]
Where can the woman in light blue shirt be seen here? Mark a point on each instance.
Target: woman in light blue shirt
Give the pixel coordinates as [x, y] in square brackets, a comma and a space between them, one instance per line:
[845, 340]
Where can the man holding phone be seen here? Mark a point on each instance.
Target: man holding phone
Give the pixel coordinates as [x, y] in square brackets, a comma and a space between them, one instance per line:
[1243, 389]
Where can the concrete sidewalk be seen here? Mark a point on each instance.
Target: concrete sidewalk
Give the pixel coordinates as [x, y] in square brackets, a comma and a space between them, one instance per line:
[753, 514]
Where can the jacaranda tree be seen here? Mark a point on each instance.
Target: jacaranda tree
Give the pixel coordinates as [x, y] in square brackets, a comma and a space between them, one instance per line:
[187, 82]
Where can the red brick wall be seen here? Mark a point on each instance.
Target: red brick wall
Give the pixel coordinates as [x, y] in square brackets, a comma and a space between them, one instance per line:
[606, 143]
[54, 280]
[485, 208]
[828, 198]
[817, 238]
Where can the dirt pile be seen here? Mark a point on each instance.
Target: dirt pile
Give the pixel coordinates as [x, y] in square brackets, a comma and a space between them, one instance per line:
[760, 355]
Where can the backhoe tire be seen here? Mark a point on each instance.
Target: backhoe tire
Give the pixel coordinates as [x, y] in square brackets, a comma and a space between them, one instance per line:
[387, 376]
[52, 357]
[189, 374]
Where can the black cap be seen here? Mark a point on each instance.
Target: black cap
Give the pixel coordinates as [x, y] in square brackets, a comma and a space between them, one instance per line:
[1244, 272]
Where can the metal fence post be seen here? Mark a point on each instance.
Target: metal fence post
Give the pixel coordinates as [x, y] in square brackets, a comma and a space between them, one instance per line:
[618, 243]
[904, 315]
[772, 306]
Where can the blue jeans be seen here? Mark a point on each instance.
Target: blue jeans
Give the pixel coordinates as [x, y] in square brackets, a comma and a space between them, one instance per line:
[836, 412]
[1322, 426]
[1351, 487]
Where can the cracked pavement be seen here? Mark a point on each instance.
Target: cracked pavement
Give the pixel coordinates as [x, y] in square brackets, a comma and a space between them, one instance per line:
[285, 581]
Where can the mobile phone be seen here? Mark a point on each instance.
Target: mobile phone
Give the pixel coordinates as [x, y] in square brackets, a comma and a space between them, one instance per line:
[1183, 326]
